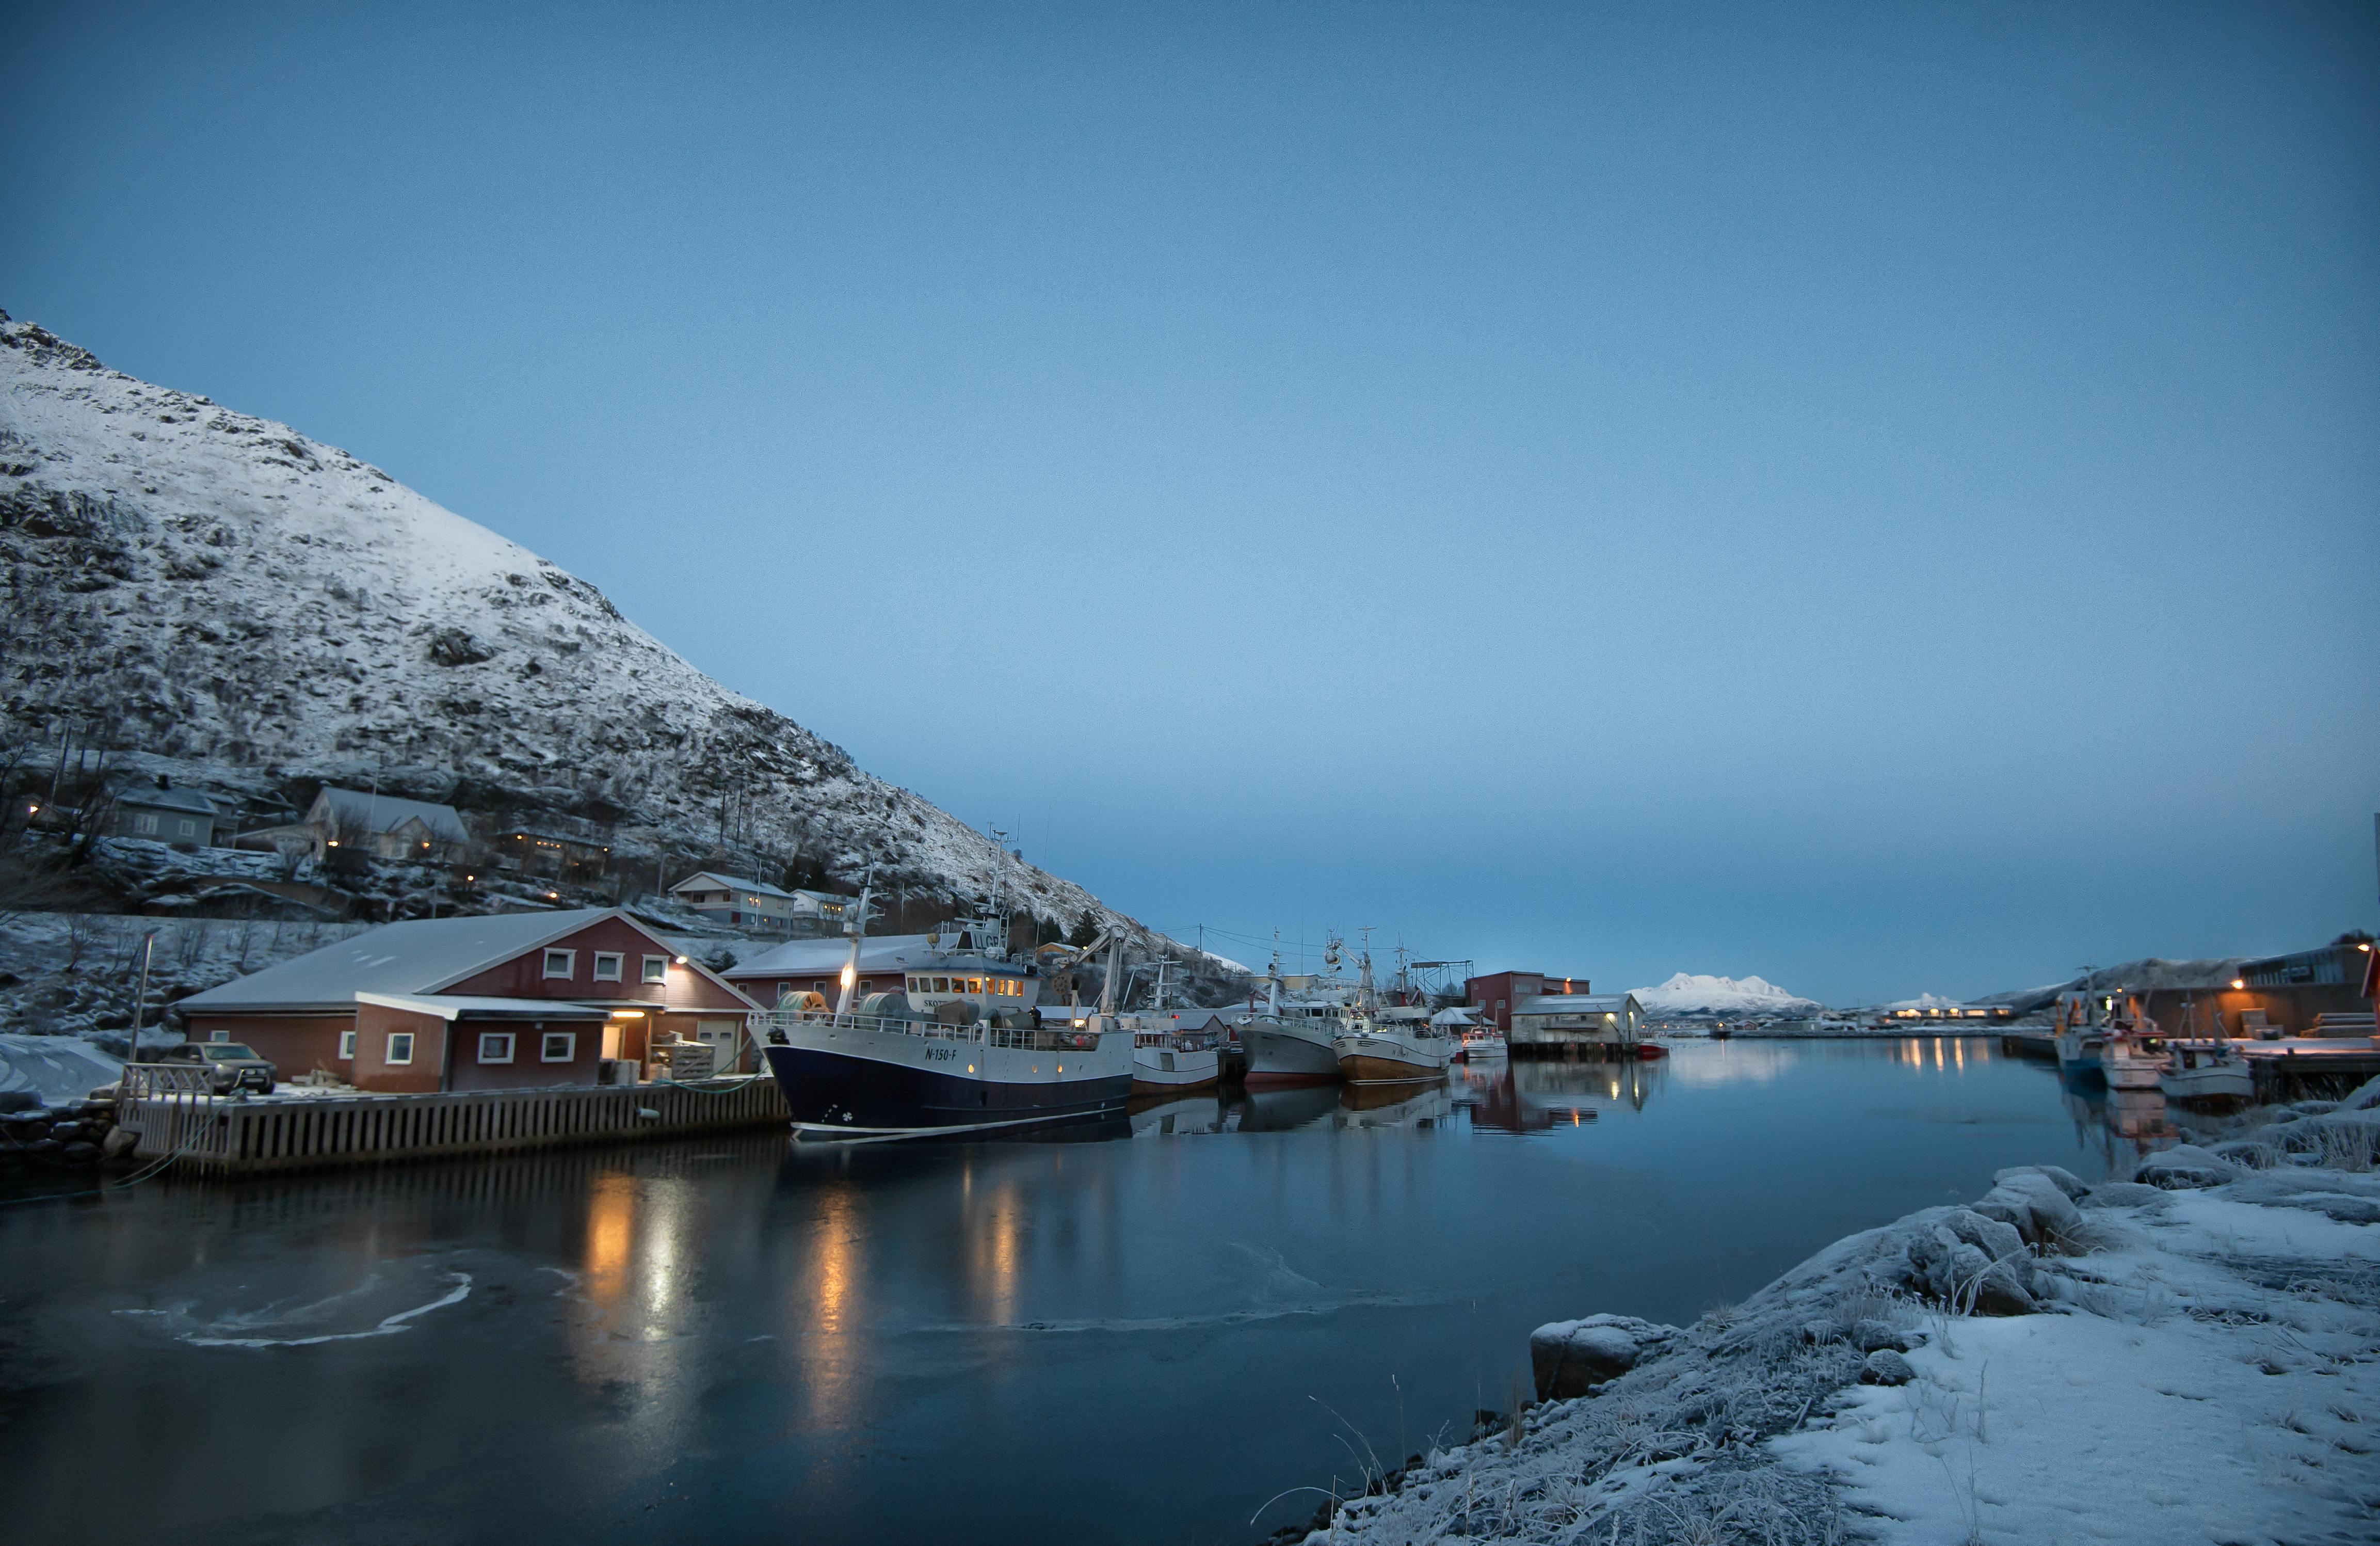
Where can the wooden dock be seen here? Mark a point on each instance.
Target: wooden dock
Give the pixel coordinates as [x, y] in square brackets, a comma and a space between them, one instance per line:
[2301, 1067]
[177, 1118]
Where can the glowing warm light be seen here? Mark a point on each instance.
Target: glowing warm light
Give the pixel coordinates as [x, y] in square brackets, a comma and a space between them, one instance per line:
[681, 960]
[627, 1013]
[847, 976]
[2238, 982]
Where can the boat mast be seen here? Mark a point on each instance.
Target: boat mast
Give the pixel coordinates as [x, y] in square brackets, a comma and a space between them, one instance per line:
[857, 929]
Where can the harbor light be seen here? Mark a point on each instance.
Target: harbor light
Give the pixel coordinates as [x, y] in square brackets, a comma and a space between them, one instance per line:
[847, 974]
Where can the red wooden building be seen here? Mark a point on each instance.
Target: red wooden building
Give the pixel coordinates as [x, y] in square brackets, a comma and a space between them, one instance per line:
[507, 1001]
[1497, 992]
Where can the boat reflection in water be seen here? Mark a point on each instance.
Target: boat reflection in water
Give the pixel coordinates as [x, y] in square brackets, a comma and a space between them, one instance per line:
[1393, 1105]
[1172, 1115]
[1534, 1097]
[1279, 1108]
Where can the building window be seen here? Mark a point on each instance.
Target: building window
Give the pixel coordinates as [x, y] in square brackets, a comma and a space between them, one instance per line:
[607, 965]
[346, 1046]
[657, 968]
[561, 963]
[558, 1046]
[400, 1047]
[144, 822]
[496, 1046]
[185, 827]
[785, 990]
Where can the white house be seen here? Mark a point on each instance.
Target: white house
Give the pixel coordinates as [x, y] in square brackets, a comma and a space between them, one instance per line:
[744, 903]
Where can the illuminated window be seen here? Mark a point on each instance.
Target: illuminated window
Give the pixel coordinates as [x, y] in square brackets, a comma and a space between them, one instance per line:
[558, 1046]
[975, 984]
[607, 965]
[496, 1046]
[400, 1047]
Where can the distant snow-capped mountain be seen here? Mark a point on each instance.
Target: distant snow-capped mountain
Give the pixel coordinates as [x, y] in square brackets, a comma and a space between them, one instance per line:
[1687, 994]
[221, 589]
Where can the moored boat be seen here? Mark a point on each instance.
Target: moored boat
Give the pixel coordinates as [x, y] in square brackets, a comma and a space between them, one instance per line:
[1395, 1045]
[886, 1067]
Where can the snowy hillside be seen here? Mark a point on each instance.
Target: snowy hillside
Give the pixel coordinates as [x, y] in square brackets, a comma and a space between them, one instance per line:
[220, 590]
[1689, 994]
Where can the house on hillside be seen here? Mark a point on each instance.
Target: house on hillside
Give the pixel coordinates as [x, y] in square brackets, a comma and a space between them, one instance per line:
[385, 826]
[162, 813]
[759, 906]
[550, 849]
[513, 1001]
[920, 966]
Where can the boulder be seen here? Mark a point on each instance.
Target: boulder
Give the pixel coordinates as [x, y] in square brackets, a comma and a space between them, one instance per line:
[1571, 1357]
[19, 1099]
[79, 1154]
[2064, 1180]
[2032, 1204]
[2122, 1194]
[1885, 1366]
[120, 1142]
[1973, 1264]
[2186, 1167]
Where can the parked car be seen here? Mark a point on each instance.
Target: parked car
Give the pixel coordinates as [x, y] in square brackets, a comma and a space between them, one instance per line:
[235, 1065]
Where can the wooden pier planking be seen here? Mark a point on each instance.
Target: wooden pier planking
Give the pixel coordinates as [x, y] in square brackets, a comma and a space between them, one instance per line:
[231, 1135]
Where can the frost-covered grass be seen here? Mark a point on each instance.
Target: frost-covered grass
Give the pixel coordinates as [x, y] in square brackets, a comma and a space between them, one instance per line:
[2205, 1367]
[77, 972]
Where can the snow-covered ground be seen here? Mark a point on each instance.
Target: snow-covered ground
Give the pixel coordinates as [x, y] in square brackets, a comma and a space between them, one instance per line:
[2196, 1360]
[76, 973]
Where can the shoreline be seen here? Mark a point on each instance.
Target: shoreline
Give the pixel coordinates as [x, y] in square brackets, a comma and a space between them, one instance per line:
[2191, 1354]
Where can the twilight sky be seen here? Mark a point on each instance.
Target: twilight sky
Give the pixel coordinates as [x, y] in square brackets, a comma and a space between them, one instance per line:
[1883, 498]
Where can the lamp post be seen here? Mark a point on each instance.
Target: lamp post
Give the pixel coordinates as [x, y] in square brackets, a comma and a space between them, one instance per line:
[140, 1005]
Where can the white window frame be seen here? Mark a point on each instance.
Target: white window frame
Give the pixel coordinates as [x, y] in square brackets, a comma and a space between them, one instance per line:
[504, 1038]
[569, 965]
[393, 1037]
[186, 828]
[569, 1040]
[346, 1046]
[615, 959]
[144, 822]
[656, 969]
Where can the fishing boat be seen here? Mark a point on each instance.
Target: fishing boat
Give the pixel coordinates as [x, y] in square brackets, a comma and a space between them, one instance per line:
[884, 1067]
[2132, 1058]
[1483, 1044]
[2205, 1068]
[1288, 1040]
[1394, 1044]
[1166, 1060]
[2081, 1023]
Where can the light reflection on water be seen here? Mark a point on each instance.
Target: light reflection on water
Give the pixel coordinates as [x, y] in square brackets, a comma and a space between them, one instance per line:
[741, 1339]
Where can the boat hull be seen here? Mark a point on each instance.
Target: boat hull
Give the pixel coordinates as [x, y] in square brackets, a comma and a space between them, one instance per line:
[1278, 1054]
[2217, 1081]
[1371, 1058]
[1156, 1073]
[844, 1084]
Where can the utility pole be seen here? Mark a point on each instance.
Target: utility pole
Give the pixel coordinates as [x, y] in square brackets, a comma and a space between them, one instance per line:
[141, 998]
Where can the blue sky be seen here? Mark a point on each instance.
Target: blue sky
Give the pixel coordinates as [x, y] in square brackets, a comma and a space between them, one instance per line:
[1879, 497]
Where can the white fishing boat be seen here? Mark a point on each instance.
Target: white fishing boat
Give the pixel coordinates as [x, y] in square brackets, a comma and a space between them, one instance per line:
[1166, 1060]
[2208, 1071]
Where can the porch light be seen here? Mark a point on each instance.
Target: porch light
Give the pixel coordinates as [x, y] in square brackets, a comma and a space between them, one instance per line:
[627, 1013]
[681, 960]
[2238, 982]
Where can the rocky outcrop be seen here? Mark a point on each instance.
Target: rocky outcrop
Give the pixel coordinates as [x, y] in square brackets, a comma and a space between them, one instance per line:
[1571, 1357]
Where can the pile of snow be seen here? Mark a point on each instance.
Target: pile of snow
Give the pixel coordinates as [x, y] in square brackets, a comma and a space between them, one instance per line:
[226, 594]
[55, 1070]
[1690, 995]
[2182, 1360]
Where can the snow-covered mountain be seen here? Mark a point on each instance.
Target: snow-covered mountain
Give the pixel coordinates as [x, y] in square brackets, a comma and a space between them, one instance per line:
[1690, 995]
[221, 589]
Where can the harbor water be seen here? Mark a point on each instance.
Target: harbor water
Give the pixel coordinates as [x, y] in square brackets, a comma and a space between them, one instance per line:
[1157, 1331]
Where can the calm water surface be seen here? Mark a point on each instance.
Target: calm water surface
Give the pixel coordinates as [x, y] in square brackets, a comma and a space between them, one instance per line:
[1137, 1336]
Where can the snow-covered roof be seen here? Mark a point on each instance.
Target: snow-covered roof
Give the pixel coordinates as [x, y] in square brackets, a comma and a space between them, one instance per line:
[420, 956]
[1576, 1004]
[711, 880]
[150, 798]
[367, 812]
[446, 1006]
[825, 957]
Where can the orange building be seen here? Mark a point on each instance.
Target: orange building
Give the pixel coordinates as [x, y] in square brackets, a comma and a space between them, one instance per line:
[514, 1001]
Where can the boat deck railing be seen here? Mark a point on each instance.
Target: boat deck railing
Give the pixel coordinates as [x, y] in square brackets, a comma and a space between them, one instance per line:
[769, 1028]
